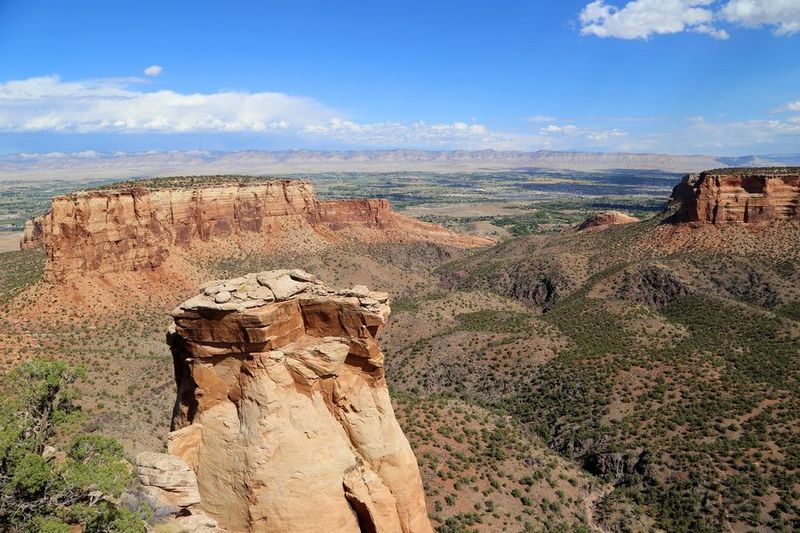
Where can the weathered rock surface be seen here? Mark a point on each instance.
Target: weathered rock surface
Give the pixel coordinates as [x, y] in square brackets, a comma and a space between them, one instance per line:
[33, 234]
[283, 411]
[603, 220]
[131, 229]
[170, 488]
[750, 195]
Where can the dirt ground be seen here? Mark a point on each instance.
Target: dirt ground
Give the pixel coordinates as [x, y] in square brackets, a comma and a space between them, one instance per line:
[9, 241]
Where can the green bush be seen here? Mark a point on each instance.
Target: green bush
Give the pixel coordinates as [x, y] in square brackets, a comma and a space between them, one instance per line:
[40, 489]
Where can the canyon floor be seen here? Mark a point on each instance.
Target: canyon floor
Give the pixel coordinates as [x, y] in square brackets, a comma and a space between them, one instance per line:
[640, 378]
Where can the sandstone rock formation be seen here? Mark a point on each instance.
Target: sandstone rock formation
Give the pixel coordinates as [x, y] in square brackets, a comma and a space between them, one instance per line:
[33, 234]
[170, 488]
[745, 195]
[131, 229]
[283, 411]
[603, 220]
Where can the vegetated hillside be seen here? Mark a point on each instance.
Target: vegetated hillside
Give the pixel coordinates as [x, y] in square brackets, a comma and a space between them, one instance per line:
[481, 471]
[667, 362]
[662, 358]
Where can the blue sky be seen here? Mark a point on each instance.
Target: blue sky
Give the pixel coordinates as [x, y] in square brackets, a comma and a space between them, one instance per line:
[677, 76]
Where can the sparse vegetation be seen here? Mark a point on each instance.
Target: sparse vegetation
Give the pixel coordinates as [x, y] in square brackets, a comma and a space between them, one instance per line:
[41, 487]
[687, 402]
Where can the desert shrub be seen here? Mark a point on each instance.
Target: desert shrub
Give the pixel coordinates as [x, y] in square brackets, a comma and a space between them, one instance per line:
[45, 489]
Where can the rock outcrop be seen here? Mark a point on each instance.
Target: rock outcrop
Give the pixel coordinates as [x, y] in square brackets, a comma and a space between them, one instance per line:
[283, 412]
[32, 234]
[137, 228]
[603, 220]
[743, 195]
[169, 487]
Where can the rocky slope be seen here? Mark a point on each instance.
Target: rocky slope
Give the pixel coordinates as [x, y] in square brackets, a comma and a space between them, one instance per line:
[757, 196]
[132, 229]
[283, 412]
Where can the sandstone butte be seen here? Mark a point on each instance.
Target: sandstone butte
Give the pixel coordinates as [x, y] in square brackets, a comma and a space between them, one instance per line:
[283, 420]
[137, 228]
[743, 195]
[603, 220]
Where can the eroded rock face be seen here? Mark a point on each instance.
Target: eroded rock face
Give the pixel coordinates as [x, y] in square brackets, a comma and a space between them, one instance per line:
[170, 487]
[33, 234]
[752, 195]
[107, 231]
[283, 411]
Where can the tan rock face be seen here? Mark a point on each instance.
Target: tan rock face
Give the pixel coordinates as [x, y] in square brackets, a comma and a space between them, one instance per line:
[603, 220]
[170, 486]
[168, 478]
[283, 411]
[33, 234]
[754, 196]
[134, 229]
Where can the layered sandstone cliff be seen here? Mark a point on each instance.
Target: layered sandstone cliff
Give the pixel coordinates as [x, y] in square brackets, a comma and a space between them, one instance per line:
[283, 411]
[131, 229]
[748, 195]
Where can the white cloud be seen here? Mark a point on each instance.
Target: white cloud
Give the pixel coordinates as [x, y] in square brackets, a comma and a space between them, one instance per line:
[640, 19]
[793, 106]
[122, 106]
[709, 135]
[540, 118]
[418, 133]
[153, 70]
[783, 15]
[50, 104]
[591, 137]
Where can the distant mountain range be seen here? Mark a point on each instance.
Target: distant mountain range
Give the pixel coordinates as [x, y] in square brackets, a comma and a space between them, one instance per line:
[99, 165]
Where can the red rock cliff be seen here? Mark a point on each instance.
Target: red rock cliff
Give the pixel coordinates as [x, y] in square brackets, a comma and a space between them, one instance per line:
[283, 411]
[136, 228]
[745, 195]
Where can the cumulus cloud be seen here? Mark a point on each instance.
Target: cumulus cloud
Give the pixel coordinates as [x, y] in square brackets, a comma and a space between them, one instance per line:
[640, 19]
[793, 106]
[591, 137]
[782, 15]
[153, 70]
[50, 104]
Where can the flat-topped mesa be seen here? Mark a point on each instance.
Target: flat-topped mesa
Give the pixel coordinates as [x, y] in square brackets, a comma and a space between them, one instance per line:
[136, 228]
[744, 195]
[283, 411]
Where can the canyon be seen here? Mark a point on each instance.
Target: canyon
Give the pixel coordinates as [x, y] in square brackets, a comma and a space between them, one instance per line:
[274, 372]
[562, 334]
[137, 228]
[744, 195]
